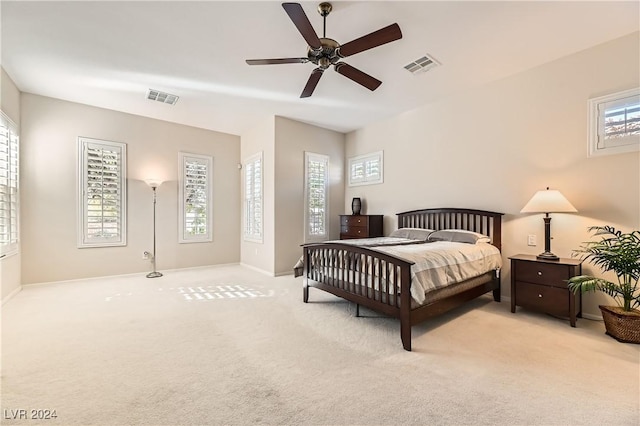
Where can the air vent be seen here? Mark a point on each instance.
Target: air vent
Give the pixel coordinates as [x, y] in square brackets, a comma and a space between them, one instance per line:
[423, 64]
[165, 98]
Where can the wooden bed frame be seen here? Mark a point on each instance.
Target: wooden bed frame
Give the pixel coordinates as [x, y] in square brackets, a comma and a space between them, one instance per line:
[334, 268]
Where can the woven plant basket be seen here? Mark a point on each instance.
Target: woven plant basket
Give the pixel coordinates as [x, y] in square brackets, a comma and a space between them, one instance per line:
[624, 326]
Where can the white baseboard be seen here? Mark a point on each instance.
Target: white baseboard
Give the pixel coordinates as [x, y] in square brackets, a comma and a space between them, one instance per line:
[271, 274]
[134, 274]
[10, 295]
[592, 317]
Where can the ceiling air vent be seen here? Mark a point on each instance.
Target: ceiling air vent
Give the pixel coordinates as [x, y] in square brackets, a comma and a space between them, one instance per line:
[423, 64]
[165, 98]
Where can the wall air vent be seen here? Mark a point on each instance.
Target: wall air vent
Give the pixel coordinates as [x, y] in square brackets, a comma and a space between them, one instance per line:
[423, 64]
[165, 98]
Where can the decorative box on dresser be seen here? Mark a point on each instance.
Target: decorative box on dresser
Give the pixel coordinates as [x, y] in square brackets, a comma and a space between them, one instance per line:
[360, 226]
[541, 285]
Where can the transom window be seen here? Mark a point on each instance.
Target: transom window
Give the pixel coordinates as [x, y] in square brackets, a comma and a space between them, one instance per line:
[614, 123]
[366, 169]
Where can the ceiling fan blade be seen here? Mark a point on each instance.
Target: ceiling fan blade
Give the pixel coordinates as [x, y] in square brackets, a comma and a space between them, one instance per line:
[375, 39]
[300, 20]
[314, 78]
[277, 61]
[358, 76]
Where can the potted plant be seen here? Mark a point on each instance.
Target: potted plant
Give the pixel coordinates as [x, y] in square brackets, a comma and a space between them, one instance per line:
[618, 252]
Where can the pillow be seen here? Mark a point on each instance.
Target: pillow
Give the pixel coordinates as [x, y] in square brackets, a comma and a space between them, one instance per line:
[412, 233]
[459, 236]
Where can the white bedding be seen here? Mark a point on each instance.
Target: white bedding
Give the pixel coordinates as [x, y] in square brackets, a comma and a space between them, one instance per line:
[437, 264]
[441, 263]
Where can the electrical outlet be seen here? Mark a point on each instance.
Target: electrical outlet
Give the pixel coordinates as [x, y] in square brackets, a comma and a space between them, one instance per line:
[532, 240]
[145, 255]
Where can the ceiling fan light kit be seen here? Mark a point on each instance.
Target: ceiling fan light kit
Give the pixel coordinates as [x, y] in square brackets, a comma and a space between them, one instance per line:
[325, 52]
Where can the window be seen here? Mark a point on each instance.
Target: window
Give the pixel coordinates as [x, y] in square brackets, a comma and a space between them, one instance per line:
[253, 198]
[366, 169]
[195, 197]
[9, 141]
[614, 123]
[316, 196]
[102, 193]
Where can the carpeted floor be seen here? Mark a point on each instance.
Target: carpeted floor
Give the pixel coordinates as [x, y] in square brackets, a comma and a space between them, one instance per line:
[229, 345]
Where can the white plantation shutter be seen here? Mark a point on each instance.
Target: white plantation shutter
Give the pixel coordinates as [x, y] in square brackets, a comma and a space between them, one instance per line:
[366, 169]
[8, 186]
[614, 123]
[316, 196]
[195, 197]
[102, 195]
[253, 198]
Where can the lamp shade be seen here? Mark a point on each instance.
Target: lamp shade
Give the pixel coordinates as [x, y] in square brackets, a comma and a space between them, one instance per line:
[153, 183]
[548, 201]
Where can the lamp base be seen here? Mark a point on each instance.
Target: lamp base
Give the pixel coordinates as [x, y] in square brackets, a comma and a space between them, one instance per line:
[547, 255]
[154, 274]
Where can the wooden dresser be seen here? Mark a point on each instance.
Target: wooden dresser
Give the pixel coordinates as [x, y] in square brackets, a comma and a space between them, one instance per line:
[542, 285]
[360, 226]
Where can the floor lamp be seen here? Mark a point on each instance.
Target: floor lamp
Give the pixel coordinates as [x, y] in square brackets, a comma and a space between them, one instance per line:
[548, 201]
[154, 184]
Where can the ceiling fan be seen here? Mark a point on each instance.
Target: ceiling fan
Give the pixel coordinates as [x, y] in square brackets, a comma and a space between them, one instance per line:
[325, 52]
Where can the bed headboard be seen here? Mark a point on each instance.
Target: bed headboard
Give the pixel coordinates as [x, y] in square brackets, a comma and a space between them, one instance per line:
[484, 222]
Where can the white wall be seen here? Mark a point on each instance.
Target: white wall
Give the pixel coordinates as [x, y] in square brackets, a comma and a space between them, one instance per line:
[49, 225]
[261, 138]
[283, 143]
[292, 140]
[9, 266]
[493, 147]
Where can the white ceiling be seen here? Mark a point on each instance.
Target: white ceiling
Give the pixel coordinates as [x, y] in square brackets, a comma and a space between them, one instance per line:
[108, 54]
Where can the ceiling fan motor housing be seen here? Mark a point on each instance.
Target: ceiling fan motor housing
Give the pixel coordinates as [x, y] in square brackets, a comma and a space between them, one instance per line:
[326, 55]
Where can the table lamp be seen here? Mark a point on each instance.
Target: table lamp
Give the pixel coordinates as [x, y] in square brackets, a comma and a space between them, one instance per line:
[548, 201]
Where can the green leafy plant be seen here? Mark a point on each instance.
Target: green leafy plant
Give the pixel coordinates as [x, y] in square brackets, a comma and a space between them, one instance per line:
[615, 251]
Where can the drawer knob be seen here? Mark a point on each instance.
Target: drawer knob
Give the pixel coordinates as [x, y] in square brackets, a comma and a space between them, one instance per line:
[539, 272]
[540, 296]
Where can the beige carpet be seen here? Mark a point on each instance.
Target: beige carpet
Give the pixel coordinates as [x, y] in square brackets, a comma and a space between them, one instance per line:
[229, 345]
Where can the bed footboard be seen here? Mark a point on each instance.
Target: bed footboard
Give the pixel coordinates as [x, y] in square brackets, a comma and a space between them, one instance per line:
[375, 280]
[382, 282]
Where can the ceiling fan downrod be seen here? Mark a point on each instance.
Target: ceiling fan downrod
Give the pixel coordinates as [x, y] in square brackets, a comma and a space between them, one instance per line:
[324, 9]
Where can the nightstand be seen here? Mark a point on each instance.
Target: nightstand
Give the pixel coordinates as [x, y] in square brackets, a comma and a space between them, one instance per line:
[360, 226]
[541, 285]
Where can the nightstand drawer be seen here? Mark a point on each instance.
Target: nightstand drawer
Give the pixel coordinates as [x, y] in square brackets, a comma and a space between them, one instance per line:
[542, 285]
[543, 273]
[543, 298]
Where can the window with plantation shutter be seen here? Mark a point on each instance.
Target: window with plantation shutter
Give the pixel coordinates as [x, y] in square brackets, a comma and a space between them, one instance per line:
[614, 123]
[9, 169]
[195, 197]
[103, 193]
[316, 177]
[366, 169]
[253, 198]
